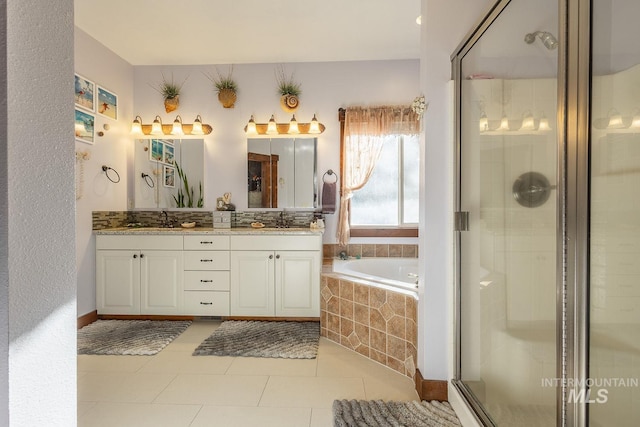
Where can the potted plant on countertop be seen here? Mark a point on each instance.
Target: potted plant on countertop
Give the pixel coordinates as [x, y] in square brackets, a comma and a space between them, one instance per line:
[170, 91]
[226, 87]
[289, 91]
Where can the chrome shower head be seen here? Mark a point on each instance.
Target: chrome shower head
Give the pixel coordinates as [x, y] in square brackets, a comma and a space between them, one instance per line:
[547, 39]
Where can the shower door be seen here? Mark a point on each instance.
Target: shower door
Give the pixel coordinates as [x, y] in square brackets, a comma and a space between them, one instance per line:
[614, 328]
[508, 221]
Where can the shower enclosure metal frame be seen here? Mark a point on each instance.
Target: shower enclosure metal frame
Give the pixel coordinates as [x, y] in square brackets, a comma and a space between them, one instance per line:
[572, 261]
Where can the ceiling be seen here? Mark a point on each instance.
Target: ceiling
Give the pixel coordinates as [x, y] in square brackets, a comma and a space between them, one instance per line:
[189, 32]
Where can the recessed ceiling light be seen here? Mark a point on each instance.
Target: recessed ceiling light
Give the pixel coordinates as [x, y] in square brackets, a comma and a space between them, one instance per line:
[419, 20]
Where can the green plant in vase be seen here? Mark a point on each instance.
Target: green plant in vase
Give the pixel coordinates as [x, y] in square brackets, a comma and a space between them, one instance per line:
[289, 91]
[170, 92]
[226, 87]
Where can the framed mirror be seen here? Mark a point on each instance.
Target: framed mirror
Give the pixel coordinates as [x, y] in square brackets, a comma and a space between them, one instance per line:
[282, 173]
[169, 173]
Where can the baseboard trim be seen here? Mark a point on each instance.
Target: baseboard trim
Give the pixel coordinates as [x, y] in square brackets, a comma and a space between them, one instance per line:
[142, 317]
[88, 318]
[431, 389]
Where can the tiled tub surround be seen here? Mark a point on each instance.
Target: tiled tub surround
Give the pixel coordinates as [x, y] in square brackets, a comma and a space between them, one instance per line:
[377, 323]
[153, 218]
[378, 250]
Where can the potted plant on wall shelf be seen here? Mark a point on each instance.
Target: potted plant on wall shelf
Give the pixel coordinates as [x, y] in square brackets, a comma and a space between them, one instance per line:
[226, 87]
[289, 91]
[170, 91]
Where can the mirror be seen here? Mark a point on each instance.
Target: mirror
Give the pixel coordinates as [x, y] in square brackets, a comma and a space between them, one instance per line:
[282, 173]
[159, 164]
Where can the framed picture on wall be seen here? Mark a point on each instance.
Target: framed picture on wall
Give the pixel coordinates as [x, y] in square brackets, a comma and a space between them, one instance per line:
[85, 91]
[169, 154]
[156, 150]
[84, 126]
[169, 176]
[107, 103]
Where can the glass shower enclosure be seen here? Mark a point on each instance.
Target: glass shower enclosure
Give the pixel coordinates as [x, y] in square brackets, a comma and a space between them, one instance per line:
[548, 214]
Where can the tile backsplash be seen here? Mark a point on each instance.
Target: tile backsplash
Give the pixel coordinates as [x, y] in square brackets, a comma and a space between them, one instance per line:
[380, 250]
[151, 218]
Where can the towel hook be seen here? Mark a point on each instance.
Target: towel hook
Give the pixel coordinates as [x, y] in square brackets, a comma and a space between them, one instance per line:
[329, 172]
[106, 170]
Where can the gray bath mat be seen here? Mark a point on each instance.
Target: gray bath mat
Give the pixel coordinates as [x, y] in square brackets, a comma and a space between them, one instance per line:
[128, 337]
[377, 413]
[285, 340]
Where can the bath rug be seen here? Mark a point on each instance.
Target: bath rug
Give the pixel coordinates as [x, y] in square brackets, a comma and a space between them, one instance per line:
[377, 413]
[129, 337]
[249, 338]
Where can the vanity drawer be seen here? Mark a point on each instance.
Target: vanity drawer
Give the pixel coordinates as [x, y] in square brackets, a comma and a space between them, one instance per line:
[206, 281]
[206, 260]
[206, 303]
[206, 242]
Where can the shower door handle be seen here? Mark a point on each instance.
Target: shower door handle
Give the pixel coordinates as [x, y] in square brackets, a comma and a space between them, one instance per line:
[461, 221]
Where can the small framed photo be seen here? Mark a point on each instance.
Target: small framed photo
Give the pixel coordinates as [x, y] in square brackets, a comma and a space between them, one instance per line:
[107, 103]
[169, 176]
[156, 150]
[85, 91]
[84, 126]
[169, 154]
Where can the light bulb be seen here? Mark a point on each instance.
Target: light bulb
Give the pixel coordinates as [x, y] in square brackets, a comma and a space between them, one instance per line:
[528, 123]
[196, 129]
[251, 127]
[136, 126]
[293, 126]
[156, 126]
[177, 126]
[483, 122]
[615, 120]
[314, 126]
[544, 124]
[272, 128]
[504, 123]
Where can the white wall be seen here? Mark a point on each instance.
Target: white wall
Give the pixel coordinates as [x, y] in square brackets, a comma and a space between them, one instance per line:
[38, 269]
[98, 64]
[326, 87]
[444, 24]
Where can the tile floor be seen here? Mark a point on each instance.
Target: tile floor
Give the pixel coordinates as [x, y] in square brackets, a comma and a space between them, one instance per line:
[176, 389]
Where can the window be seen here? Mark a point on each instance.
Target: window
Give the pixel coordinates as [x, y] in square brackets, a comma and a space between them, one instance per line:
[390, 196]
[379, 172]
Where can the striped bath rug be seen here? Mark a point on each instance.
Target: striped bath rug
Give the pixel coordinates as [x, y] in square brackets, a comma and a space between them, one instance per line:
[377, 413]
[129, 337]
[248, 338]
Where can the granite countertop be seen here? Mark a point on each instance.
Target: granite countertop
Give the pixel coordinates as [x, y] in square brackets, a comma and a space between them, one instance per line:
[208, 230]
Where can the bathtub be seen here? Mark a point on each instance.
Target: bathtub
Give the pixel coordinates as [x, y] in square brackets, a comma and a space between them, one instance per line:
[389, 273]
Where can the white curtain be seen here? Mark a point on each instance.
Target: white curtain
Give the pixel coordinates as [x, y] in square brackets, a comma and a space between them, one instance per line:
[364, 132]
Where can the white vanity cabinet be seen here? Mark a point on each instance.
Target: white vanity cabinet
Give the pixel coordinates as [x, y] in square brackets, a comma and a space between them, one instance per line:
[139, 274]
[275, 275]
[206, 275]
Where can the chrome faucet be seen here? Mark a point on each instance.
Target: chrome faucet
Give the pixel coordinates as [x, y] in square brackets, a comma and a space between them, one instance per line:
[282, 222]
[165, 222]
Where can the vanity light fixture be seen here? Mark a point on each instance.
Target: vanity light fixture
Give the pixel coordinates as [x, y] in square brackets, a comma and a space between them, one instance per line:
[615, 120]
[251, 127]
[136, 126]
[483, 122]
[314, 126]
[272, 128]
[527, 122]
[504, 123]
[156, 126]
[177, 128]
[196, 129]
[635, 122]
[544, 124]
[293, 127]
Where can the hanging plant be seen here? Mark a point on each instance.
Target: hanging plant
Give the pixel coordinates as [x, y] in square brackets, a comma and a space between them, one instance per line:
[170, 92]
[289, 91]
[226, 87]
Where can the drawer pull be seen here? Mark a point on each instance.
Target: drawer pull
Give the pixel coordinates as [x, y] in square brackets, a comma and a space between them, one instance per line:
[206, 260]
[206, 243]
[206, 281]
[206, 303]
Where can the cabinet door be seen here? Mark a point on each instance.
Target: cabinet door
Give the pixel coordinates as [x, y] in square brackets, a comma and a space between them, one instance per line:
[117, 282]
[297, 283]
[252, 283]
[161, 282]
